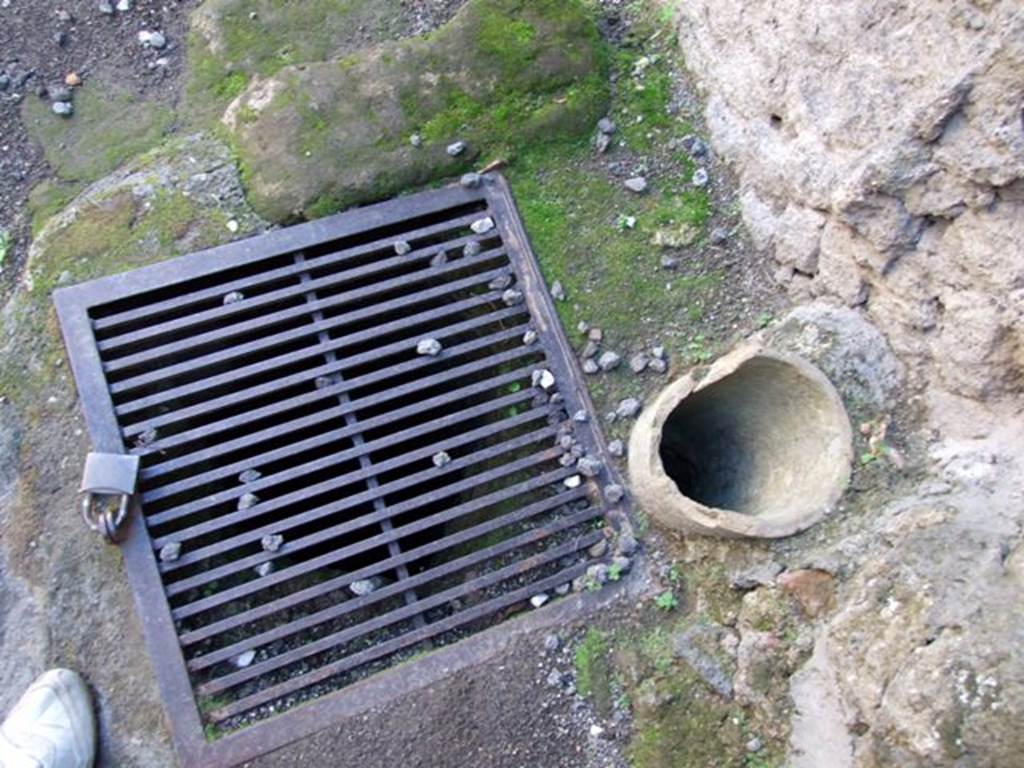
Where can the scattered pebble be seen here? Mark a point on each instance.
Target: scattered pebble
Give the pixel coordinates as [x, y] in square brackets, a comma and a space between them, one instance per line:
[590, 366]
[583, 326]
[626, 545]
[669, 262]
[60, 38]
[544, 378]
[59, 92]
[441, 458]
[233, 298]
[588, 466]
[754, 745]
[638, 363]
[247, 500]
[580, 416]
[551, 642]
[105, 7]
[232, 226]
[363, 587]
[146, 438]
[600, 549]
[152, 39]
[63, 108]
[244, 659]
[322, 382]
[470, 180]
[598, 573]
[456, 148]
[124, 5]
[563, 589]
[416, 140]
[596, 731]
[608, 361]
[530, 337]
[264, 569]
[595, 334]
[573, 481]
[472, 248]
[538, 600]
[566, 442]
[616, 449]
[170, 552]
[719, 236]
[250, 476]
[658, 352]
[622, 564]
[511, 297]
[636, 184]
[429, 347]
[500, 283]
[401, 247]
[606, 126]
[658, 366]
[482, 226]
[602, 142]
[566, 460]
[557, 291]
[614, 493]
[272, 542]
[700, 177]
[628, 408]
[439, 259]
[554, 678]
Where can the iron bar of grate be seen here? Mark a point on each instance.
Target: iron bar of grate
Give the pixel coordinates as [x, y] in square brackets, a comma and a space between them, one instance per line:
[242, 314]
[432, 574]
[311, 593]
[411, 611]
[335, 258]
[153, 494]
[241, 590]
[431, 630]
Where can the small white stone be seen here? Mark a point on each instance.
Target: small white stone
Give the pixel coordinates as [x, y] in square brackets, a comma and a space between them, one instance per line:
[233, 297]
[636, 184]
[264, 569]
[538, 600]
[232, 225]
[596, 731]
[402, 247]
[456, 148]
[573, 481]
[429, 347]
[244, 659]
[482, 226]
[530, 337]
[248, 500]
[543, 378]
[441, 458]
[363, 587]
[170, 552]
[272, 542]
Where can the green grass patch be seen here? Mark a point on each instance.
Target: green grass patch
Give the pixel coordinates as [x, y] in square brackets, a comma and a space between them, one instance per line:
[591, 663]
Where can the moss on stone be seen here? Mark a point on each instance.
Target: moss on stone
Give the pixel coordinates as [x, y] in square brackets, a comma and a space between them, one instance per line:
[109, 126]
[233, 41]
[47, 198]
[502, 75]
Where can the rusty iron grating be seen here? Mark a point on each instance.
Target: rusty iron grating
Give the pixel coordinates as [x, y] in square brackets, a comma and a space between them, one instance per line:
[322, 501]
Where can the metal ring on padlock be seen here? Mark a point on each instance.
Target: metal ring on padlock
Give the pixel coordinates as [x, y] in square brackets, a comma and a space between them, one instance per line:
[106, 522]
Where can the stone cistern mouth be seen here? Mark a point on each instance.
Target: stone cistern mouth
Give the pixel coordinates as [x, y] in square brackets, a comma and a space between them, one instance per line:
[760, 446]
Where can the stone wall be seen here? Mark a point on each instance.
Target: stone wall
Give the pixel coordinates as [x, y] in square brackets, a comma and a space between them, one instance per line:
[880, 149]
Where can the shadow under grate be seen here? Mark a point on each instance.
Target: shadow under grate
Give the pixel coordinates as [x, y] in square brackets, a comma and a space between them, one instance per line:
[320, 500]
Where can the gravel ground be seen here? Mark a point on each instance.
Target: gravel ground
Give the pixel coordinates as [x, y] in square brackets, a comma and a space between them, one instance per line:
[41, 43]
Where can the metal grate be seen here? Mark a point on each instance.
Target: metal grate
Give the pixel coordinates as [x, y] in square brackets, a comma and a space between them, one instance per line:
[321, 500]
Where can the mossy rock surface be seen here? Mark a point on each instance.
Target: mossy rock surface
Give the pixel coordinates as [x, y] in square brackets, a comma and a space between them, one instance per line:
[502, 74]
[232, 41]
[109, 127]
[176, 199]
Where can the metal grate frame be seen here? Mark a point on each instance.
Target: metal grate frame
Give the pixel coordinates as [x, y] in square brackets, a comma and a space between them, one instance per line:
[271, 386]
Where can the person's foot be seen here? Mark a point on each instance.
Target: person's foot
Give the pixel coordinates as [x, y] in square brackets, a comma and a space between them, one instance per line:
[51, 726]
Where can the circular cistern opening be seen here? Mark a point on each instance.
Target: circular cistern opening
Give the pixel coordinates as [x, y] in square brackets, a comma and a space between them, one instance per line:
[760, 446]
